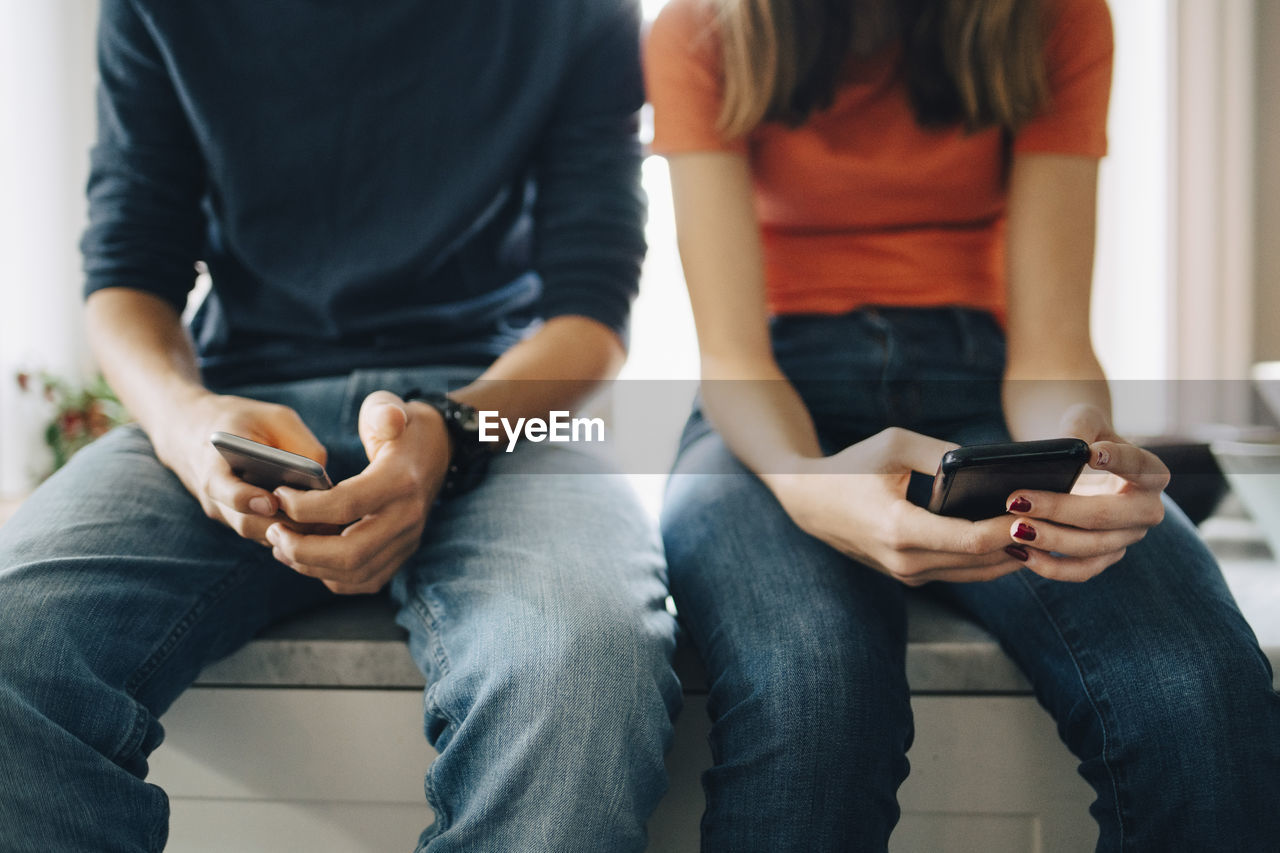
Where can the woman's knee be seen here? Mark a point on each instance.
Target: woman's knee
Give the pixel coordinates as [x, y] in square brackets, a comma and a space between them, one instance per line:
[1203, 737]
[1208, 700]
[818, 698]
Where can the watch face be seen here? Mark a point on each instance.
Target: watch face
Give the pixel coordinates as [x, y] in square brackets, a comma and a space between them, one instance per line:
[468, 418]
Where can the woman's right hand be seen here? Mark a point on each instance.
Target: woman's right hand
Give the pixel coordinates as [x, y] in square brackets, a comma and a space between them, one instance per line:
[182, 444]
[856, 502]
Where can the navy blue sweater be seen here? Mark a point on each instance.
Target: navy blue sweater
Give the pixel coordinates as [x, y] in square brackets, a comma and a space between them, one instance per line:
[369, 184]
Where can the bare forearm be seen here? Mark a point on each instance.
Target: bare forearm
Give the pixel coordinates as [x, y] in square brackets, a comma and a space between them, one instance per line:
[745, 395]
[555, 369]
[1036, 399]
[1050, 240]
[144, 352]
[760, 416]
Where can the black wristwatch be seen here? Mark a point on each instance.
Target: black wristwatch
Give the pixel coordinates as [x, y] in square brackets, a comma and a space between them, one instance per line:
[470, 457]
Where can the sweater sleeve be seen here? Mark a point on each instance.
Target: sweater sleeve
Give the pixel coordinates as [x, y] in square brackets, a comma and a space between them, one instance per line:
[146, 173]
[590, 210]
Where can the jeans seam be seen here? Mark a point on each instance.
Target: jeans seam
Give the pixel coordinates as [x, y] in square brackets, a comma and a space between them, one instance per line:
[159, 835]
[347, 408]
[1093, 703]
[442, 820]
[137, 732]
[968, 340]
[182, 628]
[431, 624]
[422, 608]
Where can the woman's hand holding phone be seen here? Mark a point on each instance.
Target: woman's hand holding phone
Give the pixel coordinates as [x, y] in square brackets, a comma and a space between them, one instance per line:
[182, 444]
[856, 502]
[1113, 505]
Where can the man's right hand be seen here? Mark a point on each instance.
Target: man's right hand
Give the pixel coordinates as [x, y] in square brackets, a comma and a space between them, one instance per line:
[182, 443]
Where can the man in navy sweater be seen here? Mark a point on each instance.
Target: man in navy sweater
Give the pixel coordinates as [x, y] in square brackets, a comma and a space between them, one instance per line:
[410, 213]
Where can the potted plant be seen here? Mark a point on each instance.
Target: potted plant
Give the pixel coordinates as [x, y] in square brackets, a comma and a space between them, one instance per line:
[81, 413]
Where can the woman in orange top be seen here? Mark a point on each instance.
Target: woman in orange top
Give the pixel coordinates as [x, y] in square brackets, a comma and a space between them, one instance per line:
[886, 214]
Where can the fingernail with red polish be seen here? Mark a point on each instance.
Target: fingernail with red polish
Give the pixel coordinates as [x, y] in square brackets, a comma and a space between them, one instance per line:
[1103, 457]
[1020, 504]
[1018, 553]
[1025, 532]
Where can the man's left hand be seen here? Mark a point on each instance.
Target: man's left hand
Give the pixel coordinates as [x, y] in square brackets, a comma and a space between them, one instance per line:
[382, 510]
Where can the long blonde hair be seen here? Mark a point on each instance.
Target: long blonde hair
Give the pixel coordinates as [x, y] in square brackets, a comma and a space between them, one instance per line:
[975, 62]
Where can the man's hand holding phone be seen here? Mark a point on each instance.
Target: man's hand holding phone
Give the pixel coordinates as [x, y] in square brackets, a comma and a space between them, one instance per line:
[1074, 537]
[382, 510]
[183, 445]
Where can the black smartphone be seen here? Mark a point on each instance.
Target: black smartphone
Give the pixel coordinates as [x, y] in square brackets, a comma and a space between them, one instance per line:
[268, 467]
[974, 482]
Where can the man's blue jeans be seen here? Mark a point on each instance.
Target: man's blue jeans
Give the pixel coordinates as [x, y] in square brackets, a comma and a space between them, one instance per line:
[1155, 680]
[535, 608]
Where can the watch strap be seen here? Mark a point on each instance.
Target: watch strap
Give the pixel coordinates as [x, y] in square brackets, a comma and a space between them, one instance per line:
[468, 459]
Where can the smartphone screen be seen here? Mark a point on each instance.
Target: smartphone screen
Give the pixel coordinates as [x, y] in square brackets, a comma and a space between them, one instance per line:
[974, 482]
[268, 467]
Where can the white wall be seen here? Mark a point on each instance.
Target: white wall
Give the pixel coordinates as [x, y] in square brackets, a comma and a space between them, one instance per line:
[1131, 280]
[1267, 318]
[1132, 268]
[1214, 226]
[46, 97]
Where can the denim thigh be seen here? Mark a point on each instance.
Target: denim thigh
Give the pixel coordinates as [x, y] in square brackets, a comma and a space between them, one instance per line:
[536, 607]
[115, 591]
[1155, 680]
[805, 654]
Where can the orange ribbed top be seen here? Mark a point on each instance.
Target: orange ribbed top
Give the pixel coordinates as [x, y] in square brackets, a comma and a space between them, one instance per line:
[860, 205]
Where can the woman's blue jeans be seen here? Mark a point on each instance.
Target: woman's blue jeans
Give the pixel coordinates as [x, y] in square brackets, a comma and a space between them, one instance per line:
[1155, 680]
[535, 607]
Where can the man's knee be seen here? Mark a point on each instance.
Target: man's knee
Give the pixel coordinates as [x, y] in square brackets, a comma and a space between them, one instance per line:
[35, 644]
[585, 666]
[48, 682]
[607, 657]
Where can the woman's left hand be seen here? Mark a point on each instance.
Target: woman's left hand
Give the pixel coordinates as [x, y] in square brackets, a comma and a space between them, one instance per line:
[1074, 537]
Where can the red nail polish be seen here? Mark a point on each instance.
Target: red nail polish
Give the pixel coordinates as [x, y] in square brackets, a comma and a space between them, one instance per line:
[1018, 553]
[1025, 532]
[1020, 504]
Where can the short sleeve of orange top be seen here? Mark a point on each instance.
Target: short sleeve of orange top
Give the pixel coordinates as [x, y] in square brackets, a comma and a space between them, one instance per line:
[860, 205]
